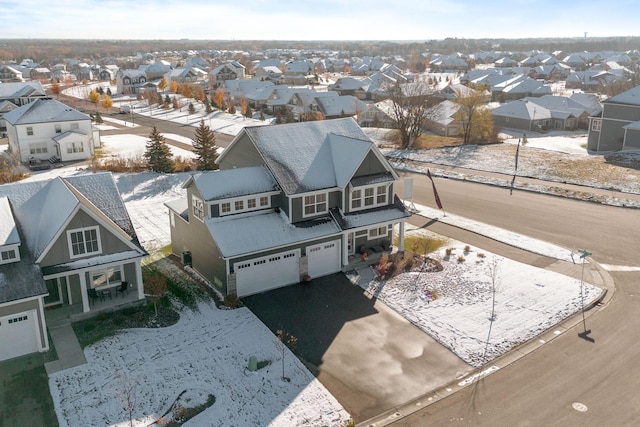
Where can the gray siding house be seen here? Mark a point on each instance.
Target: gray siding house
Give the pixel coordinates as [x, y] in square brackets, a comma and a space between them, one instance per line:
[290, 202]
[618, 127]
[68, 243]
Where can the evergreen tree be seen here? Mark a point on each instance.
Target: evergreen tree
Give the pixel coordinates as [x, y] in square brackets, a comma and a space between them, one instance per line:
[109, 91]
[98, 117]
[192, 109]
[158, 154]
[207, 106]
[204, 145]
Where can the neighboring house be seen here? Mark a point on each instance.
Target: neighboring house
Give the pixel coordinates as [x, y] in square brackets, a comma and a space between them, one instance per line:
[377, 115]
[130, 81]
[11, 73]
[13, 95]
[289, 201]
[618, 127]
[298, 72]
[156, 70]
[545, 113]
[518, 87]
[47, 129]
[269, 73]
[442, 121]
[185, 75]
[232, 70]
[61, 240]
[333, 107]
[255, 91]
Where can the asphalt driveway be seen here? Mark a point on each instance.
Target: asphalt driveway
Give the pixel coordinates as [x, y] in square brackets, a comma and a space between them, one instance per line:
[369, 357]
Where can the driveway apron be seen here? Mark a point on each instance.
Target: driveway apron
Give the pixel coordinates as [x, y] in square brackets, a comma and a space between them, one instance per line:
[368, 356]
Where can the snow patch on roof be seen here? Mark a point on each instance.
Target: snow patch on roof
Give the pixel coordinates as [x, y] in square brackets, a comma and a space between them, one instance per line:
[234, 234]
[8, 230]
[223, 184]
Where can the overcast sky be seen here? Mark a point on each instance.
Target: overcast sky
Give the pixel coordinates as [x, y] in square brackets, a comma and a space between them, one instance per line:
[316, 20]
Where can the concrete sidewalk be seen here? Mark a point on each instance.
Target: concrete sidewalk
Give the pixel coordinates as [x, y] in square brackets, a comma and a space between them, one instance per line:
[66, 343]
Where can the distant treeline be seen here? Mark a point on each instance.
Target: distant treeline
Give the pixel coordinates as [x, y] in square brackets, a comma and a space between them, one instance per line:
[52, 51]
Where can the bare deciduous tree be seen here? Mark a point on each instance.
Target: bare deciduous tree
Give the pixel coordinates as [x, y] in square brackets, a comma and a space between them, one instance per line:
[411, 105]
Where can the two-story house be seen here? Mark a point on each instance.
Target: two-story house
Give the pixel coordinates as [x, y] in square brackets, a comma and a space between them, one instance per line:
[289, 201]
[13, 95]
[130, 81]
[67, 244]
[618, 127]
[47, 128]
[231, 70]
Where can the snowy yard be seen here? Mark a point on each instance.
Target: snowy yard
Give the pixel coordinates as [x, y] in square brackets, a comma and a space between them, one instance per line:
[207, 351]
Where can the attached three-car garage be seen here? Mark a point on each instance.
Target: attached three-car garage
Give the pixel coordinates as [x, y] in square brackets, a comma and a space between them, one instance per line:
[281, 269]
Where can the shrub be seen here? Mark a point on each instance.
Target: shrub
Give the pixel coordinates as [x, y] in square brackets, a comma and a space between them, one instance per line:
[232, 301]
[467, 249]
[461, 258]
[481, 255]
[448, 251]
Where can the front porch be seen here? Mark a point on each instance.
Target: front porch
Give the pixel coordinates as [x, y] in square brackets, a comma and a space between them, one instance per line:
[62, 313]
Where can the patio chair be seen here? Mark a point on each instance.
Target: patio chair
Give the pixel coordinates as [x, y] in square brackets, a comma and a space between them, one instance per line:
[94, 295]
[123, 288]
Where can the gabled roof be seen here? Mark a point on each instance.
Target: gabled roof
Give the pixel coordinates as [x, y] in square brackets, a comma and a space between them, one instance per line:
[44, 110]
[15, 90]
[336, 105]
[224, 184]
[629, 97]
[311, 156]
[8, 229]
[43, 207]
[522, 109]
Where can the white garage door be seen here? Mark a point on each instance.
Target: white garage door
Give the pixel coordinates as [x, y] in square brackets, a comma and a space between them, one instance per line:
[262, 274]
[18, 335]
[324, 258]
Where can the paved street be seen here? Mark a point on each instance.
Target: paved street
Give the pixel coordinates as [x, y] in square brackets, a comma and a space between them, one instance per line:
[555, 383]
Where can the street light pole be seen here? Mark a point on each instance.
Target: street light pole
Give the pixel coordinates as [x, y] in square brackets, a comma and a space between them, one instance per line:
[583, 255]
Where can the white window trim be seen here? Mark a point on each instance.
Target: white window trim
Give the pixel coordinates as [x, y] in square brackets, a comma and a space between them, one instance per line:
[86, 253]
[105, 271]
[315, 204]
[381, 228]
[375, 204]
[7, 249]
[197, 207]
[245, 204]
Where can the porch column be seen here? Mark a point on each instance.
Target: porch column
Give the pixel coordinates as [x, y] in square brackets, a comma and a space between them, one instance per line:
[84, 293]
[42, 332]
[401, 237]
[345, 249]
[139, 280]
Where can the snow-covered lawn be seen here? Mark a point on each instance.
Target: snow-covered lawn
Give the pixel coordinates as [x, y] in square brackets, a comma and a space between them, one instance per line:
[127, 145]
[528, 300]
[206, 352]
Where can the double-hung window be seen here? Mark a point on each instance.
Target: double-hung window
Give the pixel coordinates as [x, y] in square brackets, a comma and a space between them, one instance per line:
[84, 241]
[197, 207]
[596, 125]
[315, 204]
